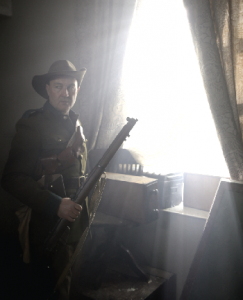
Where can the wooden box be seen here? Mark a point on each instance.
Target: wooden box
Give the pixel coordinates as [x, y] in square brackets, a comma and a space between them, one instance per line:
[133, 198]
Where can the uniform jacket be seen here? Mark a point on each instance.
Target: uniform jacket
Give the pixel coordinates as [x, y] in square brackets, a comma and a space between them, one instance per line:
[42, 133]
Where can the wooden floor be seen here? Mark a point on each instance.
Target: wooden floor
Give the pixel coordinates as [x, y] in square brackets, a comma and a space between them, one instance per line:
[120, 283]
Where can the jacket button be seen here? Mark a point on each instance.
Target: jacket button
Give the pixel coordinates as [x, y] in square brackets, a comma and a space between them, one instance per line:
[59, 140]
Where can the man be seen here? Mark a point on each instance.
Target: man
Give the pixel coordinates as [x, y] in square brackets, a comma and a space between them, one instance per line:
[50, 141]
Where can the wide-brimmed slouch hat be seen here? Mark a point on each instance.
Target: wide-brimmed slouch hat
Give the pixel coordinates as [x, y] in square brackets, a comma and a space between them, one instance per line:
[60, 68]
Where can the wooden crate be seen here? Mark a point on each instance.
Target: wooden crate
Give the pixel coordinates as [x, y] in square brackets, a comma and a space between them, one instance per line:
[134, 198]
[199, 190]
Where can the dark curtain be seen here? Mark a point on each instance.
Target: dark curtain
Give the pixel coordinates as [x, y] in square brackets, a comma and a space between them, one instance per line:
[102, 29]
[216, 29]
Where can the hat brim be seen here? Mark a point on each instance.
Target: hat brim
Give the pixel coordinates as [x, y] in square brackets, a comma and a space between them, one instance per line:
[39, 81]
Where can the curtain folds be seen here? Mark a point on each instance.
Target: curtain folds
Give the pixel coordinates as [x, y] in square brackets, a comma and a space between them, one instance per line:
[217, 31]
[101, 31]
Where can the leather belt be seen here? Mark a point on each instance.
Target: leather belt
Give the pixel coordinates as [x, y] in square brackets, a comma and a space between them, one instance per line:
[73, 183]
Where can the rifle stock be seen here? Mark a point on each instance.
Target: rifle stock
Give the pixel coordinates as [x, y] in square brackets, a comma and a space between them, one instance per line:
[62, 225]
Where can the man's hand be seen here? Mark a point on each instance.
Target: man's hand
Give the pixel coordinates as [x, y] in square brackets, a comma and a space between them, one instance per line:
[69, 210]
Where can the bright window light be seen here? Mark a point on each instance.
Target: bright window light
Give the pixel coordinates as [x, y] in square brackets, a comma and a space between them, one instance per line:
[163, 89]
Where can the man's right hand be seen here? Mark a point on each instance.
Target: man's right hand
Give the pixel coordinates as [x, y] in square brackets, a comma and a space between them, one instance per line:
[69, 210]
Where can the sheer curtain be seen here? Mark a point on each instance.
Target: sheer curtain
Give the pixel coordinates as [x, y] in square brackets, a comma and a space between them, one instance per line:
[221, 64]
[163, 89]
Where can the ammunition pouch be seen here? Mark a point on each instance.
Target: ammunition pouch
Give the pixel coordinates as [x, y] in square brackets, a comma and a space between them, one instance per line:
[73, 183]
[58, 185]
[54, 183]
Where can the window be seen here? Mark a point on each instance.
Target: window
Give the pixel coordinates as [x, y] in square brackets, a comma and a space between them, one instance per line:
[163, 89]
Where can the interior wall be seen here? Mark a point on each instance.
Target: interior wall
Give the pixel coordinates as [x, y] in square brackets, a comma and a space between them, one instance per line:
[37, 34]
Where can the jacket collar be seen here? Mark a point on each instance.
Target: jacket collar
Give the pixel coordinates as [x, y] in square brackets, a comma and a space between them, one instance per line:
[48, 107]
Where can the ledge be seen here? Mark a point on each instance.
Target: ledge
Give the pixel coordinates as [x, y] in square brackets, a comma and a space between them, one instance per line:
[188, 211]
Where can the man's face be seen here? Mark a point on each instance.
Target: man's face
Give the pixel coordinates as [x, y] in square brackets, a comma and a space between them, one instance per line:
[62, 93]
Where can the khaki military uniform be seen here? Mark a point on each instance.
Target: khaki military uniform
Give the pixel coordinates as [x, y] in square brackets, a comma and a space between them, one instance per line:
[42, 133]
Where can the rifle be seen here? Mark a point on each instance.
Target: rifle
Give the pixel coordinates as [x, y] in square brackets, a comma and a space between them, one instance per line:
[61, 229]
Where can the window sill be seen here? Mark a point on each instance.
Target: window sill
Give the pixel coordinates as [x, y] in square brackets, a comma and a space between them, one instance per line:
[188, 211]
